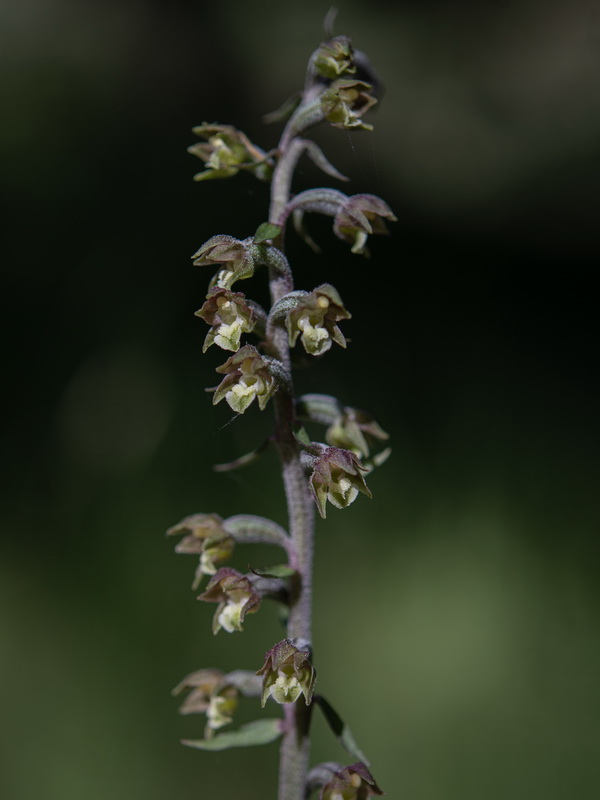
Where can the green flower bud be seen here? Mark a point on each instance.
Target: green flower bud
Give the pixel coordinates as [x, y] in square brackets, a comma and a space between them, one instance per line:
[334, 58]
[360, 215]
[337, 477]
[236, 597]
[287, 673]
[226, 152]
[350, 783]
[247, 376]
[345, 102]
[229, 316]
[314, 319]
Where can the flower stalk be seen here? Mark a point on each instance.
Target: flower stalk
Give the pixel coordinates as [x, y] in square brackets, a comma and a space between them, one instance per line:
[313, 472]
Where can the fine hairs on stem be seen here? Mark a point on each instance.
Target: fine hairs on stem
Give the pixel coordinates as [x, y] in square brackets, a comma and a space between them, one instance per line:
[339, 90]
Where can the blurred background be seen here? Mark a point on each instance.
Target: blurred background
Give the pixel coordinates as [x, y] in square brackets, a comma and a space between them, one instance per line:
[456, 621]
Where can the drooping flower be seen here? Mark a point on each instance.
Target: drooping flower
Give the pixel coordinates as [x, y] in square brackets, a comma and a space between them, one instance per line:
[359, 216]
[210, 694]
[226, 151]
[204, 535]
[334, 58]
[350, 783]
[236, 597]
[233, 255]
[247, 376]
[287, 673]
[337, 477]
[315, 318]
[352, 429]
[229, 316]
[345, 102]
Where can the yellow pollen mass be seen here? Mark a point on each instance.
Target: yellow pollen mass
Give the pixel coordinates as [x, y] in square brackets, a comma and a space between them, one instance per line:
[323, 302]
[223, 302]
[246, 364]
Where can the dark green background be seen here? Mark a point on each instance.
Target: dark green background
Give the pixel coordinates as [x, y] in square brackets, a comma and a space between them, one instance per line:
[456, 614]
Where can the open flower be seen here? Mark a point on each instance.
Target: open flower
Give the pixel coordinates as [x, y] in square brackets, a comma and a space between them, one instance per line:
[236, 597]
[287, 673]
[204, 535]
[229, 316]
[345, 102]
[227, 151]
[352, 430]
[233, 255]
[337, 477]
[350, 783]
[315, 318]
[210, 694]
[247, 376]
[360, 215]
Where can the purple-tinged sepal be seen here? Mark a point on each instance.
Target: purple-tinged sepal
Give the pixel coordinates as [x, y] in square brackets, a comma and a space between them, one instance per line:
[204, 535]
[337, 477]
[210, 693]
[236, 596]
[229, 315]
[226, 151]
[354, 782]
[288, 673]
[248, 376]
[314, 318]
[233, 255]
[359, 216]
[352, 431]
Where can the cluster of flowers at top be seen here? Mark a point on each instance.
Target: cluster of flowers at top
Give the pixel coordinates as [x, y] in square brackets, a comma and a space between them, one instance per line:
[342, 100]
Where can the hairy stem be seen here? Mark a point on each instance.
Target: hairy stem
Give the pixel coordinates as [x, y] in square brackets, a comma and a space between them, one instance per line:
[295, 748]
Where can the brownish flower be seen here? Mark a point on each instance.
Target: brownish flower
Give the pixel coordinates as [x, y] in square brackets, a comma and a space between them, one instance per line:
[351, 783]
[236, 597]
[287, 673]
[247, 376]
[204, 535]
[345, 102]
[337, 477]
[226, 151]
[315, 318]
[359, 216]
[229, 316]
